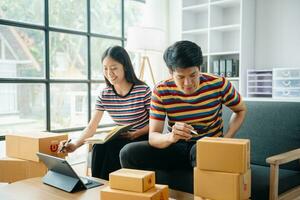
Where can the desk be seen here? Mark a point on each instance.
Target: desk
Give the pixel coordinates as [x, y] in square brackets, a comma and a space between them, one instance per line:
[34, 189]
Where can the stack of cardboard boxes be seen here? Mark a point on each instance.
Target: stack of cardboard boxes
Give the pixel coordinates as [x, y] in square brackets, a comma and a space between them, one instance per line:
[223, 169]
[21, 161]
[129, 184]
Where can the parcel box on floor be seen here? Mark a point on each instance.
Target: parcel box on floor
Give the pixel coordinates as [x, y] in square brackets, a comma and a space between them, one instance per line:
[25, 145]
[222, 185]
[223, 154]
[158, 192]
[132, 180]
[14, 169]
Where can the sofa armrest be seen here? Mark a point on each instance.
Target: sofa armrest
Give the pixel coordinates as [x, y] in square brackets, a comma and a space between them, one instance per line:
[274, 162]
[284, 157]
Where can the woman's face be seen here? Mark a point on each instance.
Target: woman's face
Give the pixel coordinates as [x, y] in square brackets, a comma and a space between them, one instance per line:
[113, 71]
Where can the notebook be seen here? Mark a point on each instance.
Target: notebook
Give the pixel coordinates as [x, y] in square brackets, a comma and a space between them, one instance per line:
[102, 137]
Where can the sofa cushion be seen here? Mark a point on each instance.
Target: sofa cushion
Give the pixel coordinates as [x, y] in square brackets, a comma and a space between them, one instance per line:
[272, 127]
[261, 177]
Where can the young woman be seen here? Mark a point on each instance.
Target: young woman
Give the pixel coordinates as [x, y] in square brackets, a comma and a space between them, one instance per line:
[127, 101]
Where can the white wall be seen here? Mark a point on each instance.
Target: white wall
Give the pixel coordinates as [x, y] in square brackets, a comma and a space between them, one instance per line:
[175, 22]
[156, 15]
[277, 33]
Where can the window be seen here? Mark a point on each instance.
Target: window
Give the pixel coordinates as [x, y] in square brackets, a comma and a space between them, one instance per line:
[50, 59]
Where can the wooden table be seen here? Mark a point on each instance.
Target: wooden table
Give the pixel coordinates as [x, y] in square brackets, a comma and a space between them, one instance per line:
[34, 189]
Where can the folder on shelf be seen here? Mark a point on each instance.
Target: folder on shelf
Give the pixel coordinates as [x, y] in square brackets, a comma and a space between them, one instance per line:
[222, 68]
[102, 137]
[235, 68]
[229, 68]
[216, 69]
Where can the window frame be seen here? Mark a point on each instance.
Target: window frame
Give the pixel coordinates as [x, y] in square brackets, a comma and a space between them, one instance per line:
[46, 80]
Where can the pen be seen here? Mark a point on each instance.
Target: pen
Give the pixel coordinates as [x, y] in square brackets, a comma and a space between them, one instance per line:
[64, 146]
[194, 132]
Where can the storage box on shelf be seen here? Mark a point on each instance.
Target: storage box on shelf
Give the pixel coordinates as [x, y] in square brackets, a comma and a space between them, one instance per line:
[259, 83]
[279, 83]
[286, 83]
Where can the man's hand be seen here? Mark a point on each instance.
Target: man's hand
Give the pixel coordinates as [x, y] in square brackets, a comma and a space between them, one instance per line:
[180, 130]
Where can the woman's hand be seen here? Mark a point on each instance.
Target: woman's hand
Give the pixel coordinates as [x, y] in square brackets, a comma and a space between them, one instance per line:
[66, 148]
[131, 135]
[180, 130]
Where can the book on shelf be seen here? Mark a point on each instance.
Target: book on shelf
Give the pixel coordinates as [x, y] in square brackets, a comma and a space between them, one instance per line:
[100, 137]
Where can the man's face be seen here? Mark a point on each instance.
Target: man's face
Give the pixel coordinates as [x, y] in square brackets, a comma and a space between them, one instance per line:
[187, 80]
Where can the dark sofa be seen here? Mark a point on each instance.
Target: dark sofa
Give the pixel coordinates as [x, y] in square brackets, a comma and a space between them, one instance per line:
[273, 128]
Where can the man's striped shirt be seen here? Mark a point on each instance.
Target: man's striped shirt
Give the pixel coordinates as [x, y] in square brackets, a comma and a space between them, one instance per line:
[202, 109]
[132, 108]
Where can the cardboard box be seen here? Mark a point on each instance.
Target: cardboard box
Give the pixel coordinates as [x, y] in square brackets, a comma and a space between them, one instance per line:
[200, 198]
[25, 145]
[159, 192]
[223, 154]
[14, 169]
[222, 185]
[132, 180]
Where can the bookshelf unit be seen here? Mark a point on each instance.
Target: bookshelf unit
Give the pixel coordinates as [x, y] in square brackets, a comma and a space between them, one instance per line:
[224, 29]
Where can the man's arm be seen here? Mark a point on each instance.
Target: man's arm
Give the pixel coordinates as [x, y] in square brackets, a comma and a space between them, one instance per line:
[159, 140]
[236, 119]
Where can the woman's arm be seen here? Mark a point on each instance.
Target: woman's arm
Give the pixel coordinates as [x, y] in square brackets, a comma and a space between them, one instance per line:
[87, 132]
[132, 135]
[90, 130]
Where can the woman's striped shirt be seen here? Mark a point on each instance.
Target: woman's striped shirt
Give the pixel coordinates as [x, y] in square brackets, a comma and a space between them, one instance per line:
[132, 108]
[202, 109]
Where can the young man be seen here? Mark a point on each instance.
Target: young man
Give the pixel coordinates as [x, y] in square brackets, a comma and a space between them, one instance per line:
[192, 102]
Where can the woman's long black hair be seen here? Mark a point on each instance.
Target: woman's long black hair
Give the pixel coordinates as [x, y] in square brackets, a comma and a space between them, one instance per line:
[120, 55]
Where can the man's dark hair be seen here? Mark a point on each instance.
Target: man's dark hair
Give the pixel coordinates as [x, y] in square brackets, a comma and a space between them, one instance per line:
[183, 54]
[120, 55]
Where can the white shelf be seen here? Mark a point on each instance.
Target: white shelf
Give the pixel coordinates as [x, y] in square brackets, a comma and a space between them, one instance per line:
[196, 31]
[223, 53]
[187, 3]
[224, 41]
[233, 78]
[196, 8]
[224, 13]
[226, 3]
[223, 30]
[194, 20]
[260, 87]
[233, 27]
